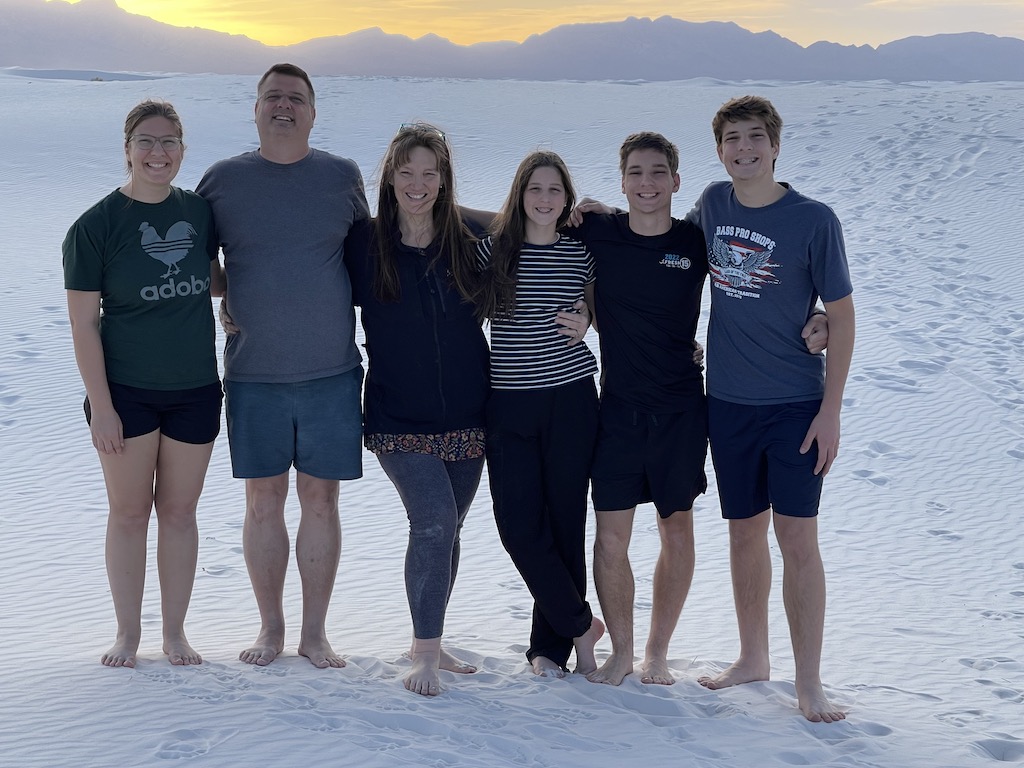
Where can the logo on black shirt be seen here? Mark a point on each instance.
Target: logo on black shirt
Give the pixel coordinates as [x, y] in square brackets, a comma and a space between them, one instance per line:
[675, 261]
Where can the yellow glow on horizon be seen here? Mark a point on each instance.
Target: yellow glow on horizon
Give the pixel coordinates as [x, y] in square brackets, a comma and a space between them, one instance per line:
[464, 22]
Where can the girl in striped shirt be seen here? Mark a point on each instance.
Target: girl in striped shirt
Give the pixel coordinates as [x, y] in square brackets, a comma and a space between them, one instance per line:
[542, 413]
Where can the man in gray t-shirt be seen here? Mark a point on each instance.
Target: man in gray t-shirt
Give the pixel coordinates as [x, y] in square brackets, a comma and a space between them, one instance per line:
[292, 372]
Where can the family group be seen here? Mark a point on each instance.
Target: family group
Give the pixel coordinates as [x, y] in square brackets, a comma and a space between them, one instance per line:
[301, 249]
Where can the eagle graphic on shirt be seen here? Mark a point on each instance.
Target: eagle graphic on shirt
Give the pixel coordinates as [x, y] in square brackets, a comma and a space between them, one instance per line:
[738, 265]
[171, 248]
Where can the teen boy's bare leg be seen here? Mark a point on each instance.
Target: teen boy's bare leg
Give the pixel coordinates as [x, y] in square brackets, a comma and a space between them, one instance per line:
[672, 577]
[317, 552]
[266, 546]
[613, 578]
[751, 566]
[803, 589]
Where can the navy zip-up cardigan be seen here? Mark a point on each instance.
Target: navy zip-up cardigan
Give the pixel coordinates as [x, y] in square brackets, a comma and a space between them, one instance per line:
[427, 357]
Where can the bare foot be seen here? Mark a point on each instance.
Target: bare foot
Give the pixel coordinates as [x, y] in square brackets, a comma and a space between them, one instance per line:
[738, 673]
[816, 707]
[426, 657]
[320, 653]
[266, 648]
[122, 654]
[451, 664]
[586, 662]
[180, 653]
[545, 667]
[612, 671]
[655, 672]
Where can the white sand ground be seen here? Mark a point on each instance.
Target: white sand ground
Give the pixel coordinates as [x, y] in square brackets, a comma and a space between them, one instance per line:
[921, 529]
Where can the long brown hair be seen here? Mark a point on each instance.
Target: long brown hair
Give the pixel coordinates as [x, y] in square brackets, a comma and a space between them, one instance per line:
[451, 236]
[497, 294]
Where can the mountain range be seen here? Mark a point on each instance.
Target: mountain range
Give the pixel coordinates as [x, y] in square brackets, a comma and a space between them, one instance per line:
[98, 35]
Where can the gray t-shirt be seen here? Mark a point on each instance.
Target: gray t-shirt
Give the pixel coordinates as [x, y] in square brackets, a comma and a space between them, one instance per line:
[768, 266]
[282, 229]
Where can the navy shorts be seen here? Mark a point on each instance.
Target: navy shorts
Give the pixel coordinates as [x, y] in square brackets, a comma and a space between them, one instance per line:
[186, 415]
[756, 453]
[642, 457]
[315, 426]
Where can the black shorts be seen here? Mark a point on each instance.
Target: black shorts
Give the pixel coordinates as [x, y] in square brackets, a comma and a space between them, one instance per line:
[642, 457]
[186, 415]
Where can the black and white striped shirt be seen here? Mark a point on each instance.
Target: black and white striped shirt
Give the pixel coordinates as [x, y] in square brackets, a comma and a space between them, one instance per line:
[527, 352]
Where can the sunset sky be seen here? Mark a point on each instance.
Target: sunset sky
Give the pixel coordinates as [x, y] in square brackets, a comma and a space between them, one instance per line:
[282, 22]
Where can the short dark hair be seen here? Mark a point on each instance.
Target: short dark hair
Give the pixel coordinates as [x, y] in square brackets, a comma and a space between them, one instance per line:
[293, 71]
[748, 108]
[648, 140]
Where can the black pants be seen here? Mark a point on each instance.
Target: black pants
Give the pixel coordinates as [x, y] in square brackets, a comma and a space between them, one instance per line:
[539, 447]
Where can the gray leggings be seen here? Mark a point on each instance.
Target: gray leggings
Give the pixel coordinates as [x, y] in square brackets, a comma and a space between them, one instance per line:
[437, 495]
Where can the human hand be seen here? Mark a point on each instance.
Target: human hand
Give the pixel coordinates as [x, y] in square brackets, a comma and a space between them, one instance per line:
[574, 323]
[225, 319]
[698, 354]
[107, 432]
[824, 431]
[587, 205]
[815, 333]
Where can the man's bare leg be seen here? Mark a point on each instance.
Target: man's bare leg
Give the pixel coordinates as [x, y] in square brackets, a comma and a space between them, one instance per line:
[180, 472]
[613, 578]
[751, 566]
[803, 589]
[317, 552]
[129, 480]
[423, 677]
[266, 546]
[586, 662]
[673, 575]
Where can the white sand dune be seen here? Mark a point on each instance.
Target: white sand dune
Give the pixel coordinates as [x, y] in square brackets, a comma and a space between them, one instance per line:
[921, 529]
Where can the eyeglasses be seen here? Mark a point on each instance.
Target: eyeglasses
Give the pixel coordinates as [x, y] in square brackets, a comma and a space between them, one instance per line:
[422, 127]
[146, 143]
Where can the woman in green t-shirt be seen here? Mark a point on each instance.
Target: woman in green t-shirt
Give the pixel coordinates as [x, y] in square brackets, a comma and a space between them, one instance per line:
[139, 268]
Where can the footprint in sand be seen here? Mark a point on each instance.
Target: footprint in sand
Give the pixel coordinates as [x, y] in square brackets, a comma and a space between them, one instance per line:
[1001, 691]
[185, 744]
[963, 718]
[983, 665]
[1003, 750]
[876, 449]
[943, 534]
[923, 366]
[871, 477]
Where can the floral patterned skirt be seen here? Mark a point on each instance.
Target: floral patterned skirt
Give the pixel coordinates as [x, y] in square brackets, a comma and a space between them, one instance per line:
[457, 445]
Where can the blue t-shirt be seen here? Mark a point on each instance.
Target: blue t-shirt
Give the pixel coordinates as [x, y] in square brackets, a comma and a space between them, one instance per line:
[768, 267]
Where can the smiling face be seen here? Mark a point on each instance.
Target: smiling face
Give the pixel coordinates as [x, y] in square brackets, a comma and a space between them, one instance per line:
[648, 181]
[156, 166]
[284, 110]
[747, 152]
[417, 182]
[544, 200]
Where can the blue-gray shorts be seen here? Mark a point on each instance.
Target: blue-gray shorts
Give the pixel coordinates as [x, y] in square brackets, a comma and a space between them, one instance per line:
[315, 426]
[758, 464]
[641, 457]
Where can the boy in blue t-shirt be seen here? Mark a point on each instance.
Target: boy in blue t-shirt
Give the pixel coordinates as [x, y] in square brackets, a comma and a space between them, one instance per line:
[773, 408]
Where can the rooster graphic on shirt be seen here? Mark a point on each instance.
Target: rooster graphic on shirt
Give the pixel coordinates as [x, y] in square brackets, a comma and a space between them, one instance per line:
[171, 248]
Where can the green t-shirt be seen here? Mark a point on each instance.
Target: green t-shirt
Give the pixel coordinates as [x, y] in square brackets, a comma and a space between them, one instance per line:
[151, 265]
